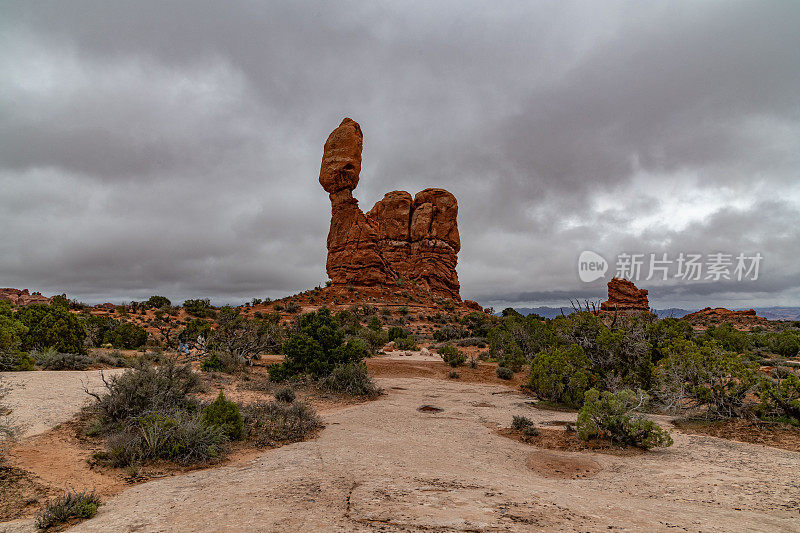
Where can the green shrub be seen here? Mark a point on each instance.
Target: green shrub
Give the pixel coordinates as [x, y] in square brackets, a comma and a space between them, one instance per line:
[350, 378]
[212, 363]
[275, 423]
[706, 378]
[285, 394]
[453, 374]
[13, 361]
[373, 339]
[157, 302]
[452, 355]
[225, 414]
[787, 343]
[513, 359]
[317, 348]
[145, 389]
[780, 398]
[67, 507]
[617, 416]
[51, 359]
[561, 375]
[125, 334]
[200, 308]
[178, 435]
[51, 326]
[396, 332]
[504, 372]
[406, 343]
[519, 422]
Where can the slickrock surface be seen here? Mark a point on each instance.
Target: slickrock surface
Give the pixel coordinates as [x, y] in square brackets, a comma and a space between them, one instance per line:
[385, 466]
[400, 239]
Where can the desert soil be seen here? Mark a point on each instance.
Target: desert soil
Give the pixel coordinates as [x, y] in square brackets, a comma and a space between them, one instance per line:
[386, 466]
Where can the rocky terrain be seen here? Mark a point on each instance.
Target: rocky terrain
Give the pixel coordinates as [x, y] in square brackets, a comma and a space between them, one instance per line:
[387, 466]
[23, 297]
[741, 319]
[400, 239]
[623, 295]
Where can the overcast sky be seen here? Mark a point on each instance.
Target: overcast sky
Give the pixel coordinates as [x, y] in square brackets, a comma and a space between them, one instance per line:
[174, 147]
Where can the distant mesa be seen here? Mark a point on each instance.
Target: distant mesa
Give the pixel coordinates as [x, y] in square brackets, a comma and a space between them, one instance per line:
[623, 295]
[401, 239]
[23, 297]
[709, 316]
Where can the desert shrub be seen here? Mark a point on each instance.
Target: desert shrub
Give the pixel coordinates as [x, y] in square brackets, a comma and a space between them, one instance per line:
[780, 398]
[452, 355]
[197, 327]
[285, 394]
[373, 339]
[115, 359]
[66, 508]
[618, 417]
[200, 308]
[705, 377]
[292, 307]
[316, 348]
[396, 332]
[243, 338]
[156, 302]
[503, 372]
[478, 324]
[275, 423]
[520, 422]
[375, 323]
[480, 342]
[49, 325]
[51, 359]
[177, 435]
[786, 343]
[225, 414]
[348, 321]
[145, 389]
[13, 361]
[728, 337]
[350, 378]
[448, 333]
[561, 375]
[214, 363]
[125, 334]
[406, 343]
[453, 374]
[513, 359]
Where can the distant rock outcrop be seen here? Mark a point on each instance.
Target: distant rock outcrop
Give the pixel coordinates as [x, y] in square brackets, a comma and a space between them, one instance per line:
[23, 297]
[623, 295]
[718, 315]
[400, 239]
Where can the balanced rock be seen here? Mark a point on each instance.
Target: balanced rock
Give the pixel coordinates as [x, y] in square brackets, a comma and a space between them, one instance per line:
[400, 239]
[624, 296]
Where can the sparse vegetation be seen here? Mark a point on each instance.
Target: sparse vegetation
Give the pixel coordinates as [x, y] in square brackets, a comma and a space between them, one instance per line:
[350, 378]
[452, 355]
[618, 417]
[504, 373]
[71, 506]
[275, 423]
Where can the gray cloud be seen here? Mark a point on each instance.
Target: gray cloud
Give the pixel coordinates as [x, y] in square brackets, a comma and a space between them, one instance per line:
[173, 147]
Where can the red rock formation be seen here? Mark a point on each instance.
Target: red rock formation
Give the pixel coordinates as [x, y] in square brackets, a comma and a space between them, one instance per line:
[23, 297]
[398, 239]
[624, 296]
[739, 319]
[472, 304]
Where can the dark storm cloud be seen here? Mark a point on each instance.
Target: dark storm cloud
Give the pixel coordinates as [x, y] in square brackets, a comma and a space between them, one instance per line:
[173, 147]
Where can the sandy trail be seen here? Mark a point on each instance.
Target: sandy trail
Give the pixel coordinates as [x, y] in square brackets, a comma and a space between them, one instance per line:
[40, 400]
[384, 466]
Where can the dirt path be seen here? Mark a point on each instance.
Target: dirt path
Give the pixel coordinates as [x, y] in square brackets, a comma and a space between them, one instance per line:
[40, 400]
[385, 466]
